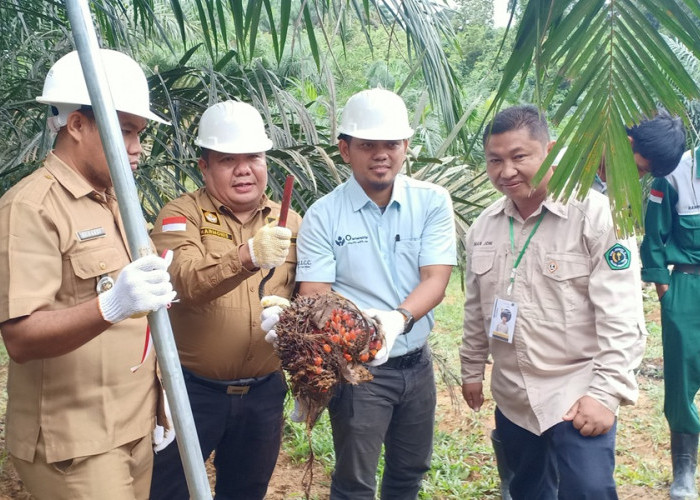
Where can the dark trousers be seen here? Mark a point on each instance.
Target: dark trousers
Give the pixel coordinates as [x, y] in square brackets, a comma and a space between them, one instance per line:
[397, 408]
[244, 430]
[561, 463]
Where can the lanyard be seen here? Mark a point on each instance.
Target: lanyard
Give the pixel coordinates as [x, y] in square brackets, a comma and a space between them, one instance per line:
[522, 251]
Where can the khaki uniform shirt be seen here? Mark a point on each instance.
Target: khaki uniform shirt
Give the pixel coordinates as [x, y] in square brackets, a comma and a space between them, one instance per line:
[580, 326]
[216, 324]
[57, 238]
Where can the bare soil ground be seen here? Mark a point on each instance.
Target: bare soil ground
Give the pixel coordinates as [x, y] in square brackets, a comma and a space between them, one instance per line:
[637, 449]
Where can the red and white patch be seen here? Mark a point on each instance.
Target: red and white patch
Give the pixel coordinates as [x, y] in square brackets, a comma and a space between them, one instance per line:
[174, 224]
[656, 196]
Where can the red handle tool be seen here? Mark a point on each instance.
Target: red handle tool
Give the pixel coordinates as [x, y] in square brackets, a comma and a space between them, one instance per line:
[286, 200]
[282, 222]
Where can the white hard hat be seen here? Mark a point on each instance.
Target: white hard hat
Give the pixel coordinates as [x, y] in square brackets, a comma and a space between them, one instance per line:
[65, 88]
[375, 114]
[232, 127]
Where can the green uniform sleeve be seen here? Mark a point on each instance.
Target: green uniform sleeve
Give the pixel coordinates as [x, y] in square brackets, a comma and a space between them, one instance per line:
[658, 223]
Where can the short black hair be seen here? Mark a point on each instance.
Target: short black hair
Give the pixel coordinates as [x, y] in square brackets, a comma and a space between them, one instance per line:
[517, 117]
[345, 137]
[204, 154]
[660, 140]
[505, 313]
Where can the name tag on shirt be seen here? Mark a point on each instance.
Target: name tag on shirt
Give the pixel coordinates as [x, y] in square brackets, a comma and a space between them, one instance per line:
[503, 318]
[91, 234]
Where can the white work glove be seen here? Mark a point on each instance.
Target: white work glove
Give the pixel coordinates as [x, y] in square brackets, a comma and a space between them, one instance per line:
[391, 325]
[270, 246]
[273, 305]
[300, 412]
[141, 287]
[162, 437]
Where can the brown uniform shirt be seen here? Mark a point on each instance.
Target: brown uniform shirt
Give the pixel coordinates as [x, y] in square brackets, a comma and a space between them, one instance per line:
[217, 321]
[57, 238]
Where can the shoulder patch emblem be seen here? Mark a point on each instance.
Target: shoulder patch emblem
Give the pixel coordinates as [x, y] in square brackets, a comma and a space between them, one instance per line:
[618, 257]
[211, 217]
[656, 196]
[178, 223]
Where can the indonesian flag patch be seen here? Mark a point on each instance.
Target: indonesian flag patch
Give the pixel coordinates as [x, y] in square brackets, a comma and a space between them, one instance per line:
[656, 196]
[174, 224]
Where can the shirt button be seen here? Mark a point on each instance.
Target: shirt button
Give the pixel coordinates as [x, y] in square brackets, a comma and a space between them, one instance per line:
[103, 265]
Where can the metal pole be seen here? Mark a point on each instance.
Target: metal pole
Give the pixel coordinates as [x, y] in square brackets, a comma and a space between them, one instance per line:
[139, 242]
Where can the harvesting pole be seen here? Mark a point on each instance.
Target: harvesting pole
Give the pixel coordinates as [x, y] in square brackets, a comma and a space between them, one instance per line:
[138, 240]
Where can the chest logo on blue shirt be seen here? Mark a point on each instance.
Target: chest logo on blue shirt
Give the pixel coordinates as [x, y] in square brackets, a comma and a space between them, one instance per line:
[618, 257]
[349, 239]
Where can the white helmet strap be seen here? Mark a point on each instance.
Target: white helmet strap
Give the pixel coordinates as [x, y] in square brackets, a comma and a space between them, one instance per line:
[60, 114]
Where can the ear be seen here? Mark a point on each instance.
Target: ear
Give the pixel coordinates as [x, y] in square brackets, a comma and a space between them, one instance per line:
[344, 148]
[77, 124]
[629, 138]
[203, 167]
[550, 145]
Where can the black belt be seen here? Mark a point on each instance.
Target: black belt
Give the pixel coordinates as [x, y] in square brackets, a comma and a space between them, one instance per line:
[687, 268]
[408, 360]
[239, 386]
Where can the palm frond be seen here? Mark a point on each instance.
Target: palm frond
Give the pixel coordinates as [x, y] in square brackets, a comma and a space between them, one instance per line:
[620, 68]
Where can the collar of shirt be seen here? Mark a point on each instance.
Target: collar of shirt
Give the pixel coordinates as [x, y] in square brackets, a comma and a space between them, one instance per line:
[220, 207]
[506, 206]
[359, 199]
[67, 177]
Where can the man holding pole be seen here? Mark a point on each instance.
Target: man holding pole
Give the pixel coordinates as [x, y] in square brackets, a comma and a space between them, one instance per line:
[226, 237]
[82, 395]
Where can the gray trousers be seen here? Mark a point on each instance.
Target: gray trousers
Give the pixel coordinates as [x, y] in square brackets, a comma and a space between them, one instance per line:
[397, 409]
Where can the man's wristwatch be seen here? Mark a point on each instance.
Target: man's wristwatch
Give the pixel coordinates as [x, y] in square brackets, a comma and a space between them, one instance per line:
[409, 321]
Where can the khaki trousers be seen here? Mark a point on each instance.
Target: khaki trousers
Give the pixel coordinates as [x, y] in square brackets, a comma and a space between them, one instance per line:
[123, 473]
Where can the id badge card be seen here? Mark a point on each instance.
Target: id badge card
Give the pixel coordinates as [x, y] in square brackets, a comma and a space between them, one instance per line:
[503, 317]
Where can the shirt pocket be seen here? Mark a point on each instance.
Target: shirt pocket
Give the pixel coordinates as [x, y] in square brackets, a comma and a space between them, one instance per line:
[406, 252]
[482, 265]
[216, 246]
[565, 283]
[689, 233]
[89, 266]
[406, 264]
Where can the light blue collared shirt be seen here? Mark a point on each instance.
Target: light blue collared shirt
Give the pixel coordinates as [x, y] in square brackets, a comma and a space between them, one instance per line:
[374, 258]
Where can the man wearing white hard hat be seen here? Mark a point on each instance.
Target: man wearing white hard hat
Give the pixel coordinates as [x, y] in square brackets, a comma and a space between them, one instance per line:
[386, 242]
[225, 239]
[81, 396]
